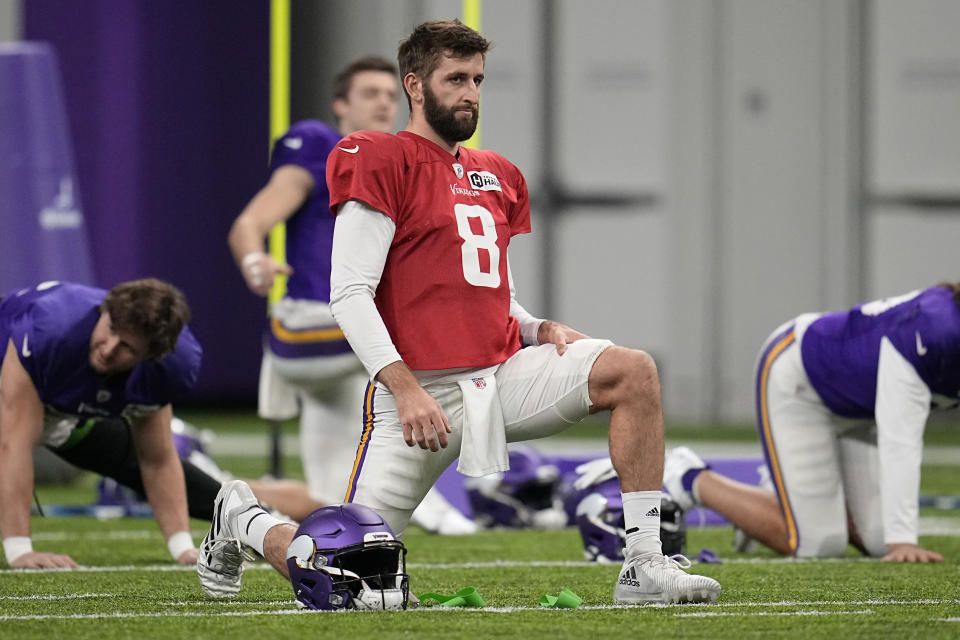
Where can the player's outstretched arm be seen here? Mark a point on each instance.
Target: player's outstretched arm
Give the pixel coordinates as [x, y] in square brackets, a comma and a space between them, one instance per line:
[21, 414]
[288, 188]
[423, 420]
[163, 482]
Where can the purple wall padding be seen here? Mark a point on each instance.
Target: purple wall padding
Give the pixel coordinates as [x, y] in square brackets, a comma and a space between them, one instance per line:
[42, 230]
[168, 102]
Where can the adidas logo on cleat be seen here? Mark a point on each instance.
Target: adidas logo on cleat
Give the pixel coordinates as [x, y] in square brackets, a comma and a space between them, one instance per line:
[655, 512]
[629, 578]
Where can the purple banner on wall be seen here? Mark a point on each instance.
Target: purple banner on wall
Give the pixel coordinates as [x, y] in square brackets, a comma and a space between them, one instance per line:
[168, 102]
[43, 234]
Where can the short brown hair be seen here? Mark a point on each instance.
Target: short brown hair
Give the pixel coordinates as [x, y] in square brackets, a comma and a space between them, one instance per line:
[341, 85]
[954, 288]
[151, 308]
[420, 53]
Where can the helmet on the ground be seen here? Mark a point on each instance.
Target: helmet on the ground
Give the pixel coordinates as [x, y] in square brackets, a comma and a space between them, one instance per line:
[597, 509]
[598, 513]
[523, 496]
[346, 557]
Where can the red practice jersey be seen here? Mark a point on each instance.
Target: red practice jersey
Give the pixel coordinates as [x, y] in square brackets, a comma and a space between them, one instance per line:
[444, 295]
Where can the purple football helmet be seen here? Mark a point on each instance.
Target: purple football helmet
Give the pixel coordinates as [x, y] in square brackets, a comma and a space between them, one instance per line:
[345, 557]
[598, 513]
[597, 510]
[523, 496]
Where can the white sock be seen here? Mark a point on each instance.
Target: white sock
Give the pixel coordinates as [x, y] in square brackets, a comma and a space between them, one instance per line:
[641, 515]
[254, 524]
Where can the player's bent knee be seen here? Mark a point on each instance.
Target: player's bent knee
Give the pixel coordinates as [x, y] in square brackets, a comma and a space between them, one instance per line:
[621, 374]
[873, 543]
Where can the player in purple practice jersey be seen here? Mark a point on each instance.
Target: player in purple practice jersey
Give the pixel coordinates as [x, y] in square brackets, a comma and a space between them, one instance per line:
[91, 374]
[842, 403]
[308, 366]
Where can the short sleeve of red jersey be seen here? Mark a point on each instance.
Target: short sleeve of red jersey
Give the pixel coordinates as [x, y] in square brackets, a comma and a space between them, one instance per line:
[519, 214]
[367, 166]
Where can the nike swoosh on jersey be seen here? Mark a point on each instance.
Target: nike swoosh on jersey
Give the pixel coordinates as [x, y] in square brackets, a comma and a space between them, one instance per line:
[921, 350]
[293, 143]
[25, 350]
[351, 150]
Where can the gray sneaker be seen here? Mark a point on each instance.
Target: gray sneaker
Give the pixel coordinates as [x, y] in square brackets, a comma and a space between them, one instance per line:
[220, 562]
[658, 578]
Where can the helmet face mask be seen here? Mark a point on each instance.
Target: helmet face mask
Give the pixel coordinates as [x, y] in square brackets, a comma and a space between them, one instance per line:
[366, 572]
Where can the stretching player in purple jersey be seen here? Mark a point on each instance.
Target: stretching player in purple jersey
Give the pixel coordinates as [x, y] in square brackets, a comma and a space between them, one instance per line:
[308, 365]
[76, 359]
[842, 403]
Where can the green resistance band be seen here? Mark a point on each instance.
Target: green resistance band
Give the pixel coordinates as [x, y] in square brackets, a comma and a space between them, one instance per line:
[466, 597]
[566, 599]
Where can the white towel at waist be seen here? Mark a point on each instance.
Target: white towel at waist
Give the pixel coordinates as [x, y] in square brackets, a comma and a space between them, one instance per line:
[483, 447]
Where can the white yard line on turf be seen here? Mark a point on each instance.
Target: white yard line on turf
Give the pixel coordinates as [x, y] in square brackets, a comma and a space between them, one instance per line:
[712, 614]
[59, 596]
[518, 609]
[151, 614]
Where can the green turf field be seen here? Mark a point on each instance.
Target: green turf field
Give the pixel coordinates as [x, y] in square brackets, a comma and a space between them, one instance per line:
[128, 588]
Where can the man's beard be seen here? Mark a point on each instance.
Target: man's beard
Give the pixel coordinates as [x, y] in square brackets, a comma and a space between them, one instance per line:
[444, 119]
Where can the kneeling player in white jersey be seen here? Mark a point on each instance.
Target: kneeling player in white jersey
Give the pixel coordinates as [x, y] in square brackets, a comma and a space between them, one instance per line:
[421, 287]
[842, 403]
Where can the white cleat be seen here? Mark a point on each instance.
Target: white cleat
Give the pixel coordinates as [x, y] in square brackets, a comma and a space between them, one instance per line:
[678, 462]
[436, 515]
[658, 578]
[220, 562]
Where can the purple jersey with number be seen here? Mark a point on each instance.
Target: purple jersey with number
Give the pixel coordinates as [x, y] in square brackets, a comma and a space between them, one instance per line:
[841, 350]
[310, 229]
[50, 326]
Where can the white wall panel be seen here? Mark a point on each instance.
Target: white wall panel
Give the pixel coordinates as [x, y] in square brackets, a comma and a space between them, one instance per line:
[915, 107]
[9, 20]
[611, 59]
[612, 276]
[912, 249]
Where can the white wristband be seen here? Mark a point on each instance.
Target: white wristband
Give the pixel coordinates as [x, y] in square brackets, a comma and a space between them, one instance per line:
[16, 546]
[178, 543]
[251, 258]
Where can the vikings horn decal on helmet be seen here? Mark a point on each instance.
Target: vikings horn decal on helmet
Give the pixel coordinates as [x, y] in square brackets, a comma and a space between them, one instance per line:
[598, 513]
[345, 557]
[594, 502]
[523, 496]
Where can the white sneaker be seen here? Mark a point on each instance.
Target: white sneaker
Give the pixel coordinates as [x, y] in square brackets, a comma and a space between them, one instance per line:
[220, 562]
[678, 461]
[436, 515]
[658, 578]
